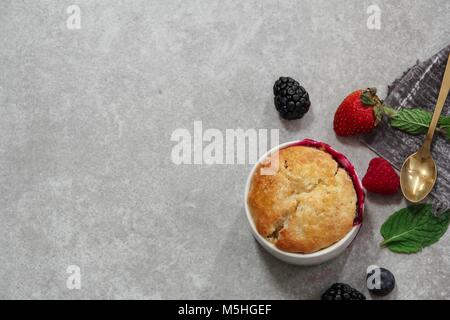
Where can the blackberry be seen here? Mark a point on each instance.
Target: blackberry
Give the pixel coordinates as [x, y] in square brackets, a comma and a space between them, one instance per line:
[291, 99]
[342, 291]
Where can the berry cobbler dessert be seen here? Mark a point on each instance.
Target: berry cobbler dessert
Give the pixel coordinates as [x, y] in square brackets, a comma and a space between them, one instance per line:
[308, 204]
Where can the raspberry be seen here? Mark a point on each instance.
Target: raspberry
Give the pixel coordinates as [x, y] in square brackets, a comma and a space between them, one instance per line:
[381, 178]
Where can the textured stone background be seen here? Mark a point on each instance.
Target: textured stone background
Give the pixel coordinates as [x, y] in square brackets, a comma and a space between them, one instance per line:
[85, 123]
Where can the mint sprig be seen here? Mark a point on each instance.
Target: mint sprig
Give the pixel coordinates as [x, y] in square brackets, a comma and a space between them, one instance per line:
[411, 229]
[412, 121]
[444, 126]
[415, 121]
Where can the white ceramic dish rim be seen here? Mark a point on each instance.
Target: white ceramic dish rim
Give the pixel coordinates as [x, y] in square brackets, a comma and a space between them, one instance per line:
[266, 243]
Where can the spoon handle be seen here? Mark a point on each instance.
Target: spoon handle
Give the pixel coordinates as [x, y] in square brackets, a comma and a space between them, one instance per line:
[443, 92]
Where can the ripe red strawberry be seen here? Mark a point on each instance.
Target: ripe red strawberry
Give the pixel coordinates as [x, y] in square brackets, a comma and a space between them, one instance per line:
[381, 177]
[359, 113]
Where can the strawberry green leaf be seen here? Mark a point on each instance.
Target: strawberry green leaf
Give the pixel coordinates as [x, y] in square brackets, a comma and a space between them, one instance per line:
[411, 229]
[379, 112]
[412, 121]
[367, 99]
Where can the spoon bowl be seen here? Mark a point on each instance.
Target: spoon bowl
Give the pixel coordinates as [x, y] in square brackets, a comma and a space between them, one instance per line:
[417, 177]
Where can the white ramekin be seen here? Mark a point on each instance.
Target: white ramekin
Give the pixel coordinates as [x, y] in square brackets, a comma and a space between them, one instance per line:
[330, 252]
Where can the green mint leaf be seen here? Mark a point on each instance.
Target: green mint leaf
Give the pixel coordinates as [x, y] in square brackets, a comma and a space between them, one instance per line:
[412, 121]
[367, 99]
[411, 229]
[444, 121]
[447, 133]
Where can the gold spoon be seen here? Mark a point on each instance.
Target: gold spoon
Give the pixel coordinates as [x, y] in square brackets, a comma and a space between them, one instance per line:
[418, 174]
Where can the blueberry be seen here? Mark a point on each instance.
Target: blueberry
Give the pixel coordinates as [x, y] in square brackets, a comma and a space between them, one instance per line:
[380, 281]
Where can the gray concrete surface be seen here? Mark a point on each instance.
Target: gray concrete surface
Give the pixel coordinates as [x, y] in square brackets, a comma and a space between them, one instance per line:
[85, 123]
